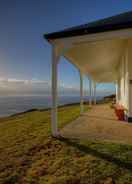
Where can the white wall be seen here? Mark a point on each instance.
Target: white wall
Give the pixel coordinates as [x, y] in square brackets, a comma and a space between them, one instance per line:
[124, 77]
[123, 80]
[130, 76]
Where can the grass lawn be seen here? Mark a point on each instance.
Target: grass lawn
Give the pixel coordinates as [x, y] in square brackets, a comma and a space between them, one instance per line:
[28, 154]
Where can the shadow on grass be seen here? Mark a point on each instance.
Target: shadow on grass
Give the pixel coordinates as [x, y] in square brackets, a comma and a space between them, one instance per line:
[97, 153]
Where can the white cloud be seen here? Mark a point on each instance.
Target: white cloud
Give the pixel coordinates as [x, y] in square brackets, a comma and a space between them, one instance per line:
[64, 86]
[35, 86]
[21, 81]
[13, 85]
[32, 86]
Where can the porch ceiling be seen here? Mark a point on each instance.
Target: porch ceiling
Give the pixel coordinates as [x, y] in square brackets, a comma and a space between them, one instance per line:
[96, 47]
[98, 59]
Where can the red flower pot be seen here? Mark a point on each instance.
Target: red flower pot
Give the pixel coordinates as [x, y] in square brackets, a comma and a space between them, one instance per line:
[119, 111]
[120, 114]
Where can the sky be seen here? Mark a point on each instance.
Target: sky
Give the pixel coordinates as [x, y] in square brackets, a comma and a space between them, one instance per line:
[25, 57]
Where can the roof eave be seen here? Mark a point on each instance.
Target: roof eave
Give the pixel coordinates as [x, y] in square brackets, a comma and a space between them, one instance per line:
[86, 31]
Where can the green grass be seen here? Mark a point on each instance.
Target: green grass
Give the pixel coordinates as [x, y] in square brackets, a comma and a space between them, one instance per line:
[28, 154]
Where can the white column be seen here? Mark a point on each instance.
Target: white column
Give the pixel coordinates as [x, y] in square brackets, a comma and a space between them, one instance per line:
[90, 91]
[128, 81]
[117, 97]
[55, 59]
[81, 93]
[119, 90]
[94, 92]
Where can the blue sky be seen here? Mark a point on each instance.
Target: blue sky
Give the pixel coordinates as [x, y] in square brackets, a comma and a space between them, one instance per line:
[26, 56]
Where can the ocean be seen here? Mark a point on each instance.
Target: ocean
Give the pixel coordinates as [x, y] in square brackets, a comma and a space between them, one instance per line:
[10, 105]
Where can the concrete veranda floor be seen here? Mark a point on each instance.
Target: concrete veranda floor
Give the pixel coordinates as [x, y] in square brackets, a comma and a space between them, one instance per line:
[99, 123]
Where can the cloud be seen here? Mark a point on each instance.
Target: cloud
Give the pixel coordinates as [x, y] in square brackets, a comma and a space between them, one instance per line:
[22, 86]
[21, 81]
[64, 86]
[13, 86]
[33, 86]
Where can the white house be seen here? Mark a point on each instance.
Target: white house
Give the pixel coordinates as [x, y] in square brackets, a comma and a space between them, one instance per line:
[100, 49]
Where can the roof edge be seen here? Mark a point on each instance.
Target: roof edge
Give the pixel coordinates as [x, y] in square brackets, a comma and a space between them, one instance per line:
[117, 22]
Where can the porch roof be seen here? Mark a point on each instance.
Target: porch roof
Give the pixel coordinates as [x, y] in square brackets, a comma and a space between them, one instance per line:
[121, 21]
[96, 48]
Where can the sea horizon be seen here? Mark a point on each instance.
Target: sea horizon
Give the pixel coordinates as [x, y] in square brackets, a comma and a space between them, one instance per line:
[13, 104]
